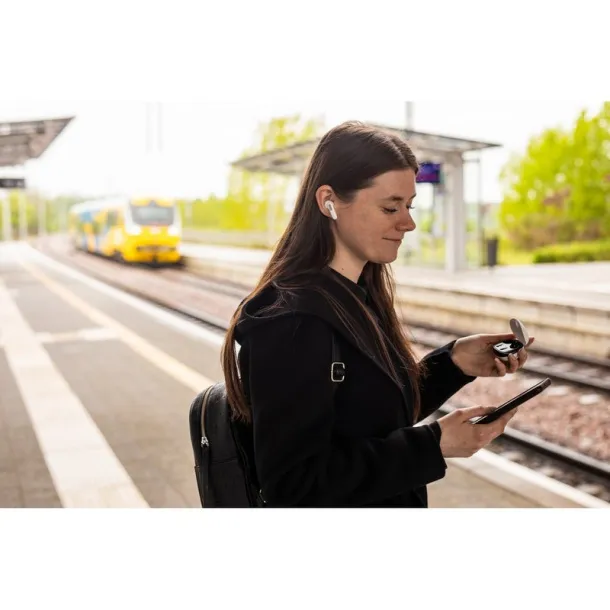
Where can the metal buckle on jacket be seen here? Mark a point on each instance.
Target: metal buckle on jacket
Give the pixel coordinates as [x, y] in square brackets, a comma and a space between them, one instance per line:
[337, 372]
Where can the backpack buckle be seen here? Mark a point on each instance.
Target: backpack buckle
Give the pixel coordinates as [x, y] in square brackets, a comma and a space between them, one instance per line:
[337, 372]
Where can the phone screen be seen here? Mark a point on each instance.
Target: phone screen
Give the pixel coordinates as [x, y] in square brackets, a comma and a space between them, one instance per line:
[513, 403]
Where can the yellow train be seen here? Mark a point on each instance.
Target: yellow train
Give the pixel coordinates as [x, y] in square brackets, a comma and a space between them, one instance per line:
[132, 230]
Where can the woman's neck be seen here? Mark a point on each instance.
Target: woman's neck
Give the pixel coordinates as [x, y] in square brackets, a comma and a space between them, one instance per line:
[347, 266]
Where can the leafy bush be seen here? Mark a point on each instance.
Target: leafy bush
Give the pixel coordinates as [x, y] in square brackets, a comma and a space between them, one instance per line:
[574, 252]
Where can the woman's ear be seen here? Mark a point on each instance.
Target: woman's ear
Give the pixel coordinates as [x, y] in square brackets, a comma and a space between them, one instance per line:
[325, 198]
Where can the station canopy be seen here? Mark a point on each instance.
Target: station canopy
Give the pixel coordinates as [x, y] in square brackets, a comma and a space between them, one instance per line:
[447, 151]
[429, 147]
[21, 141]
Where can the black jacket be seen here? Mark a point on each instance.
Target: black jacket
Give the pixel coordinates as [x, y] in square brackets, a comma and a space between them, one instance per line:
[320, 444]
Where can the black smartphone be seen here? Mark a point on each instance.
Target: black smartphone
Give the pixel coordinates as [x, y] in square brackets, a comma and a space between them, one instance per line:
[513, 403]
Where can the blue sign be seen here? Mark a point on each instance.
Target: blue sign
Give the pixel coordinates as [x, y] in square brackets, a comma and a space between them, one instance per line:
[429, 173]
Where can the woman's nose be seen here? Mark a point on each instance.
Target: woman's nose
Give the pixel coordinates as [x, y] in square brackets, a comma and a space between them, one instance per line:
[406, 223]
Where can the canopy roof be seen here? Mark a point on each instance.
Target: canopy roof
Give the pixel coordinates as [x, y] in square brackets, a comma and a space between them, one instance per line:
[292, 160]
[21, 141]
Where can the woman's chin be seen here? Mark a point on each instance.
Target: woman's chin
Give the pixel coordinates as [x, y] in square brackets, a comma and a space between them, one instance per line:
[384, 260]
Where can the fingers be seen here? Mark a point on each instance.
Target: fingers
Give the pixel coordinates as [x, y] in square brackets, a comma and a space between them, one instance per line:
[500, 425]
[501, 369]
[470, 412]
[493, 339]
[507, 417]
[511, 414]
[513, 363]
[523, 355]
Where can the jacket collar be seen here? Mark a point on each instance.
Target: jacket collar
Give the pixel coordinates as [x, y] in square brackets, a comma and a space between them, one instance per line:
[357, 288]
[311, 301]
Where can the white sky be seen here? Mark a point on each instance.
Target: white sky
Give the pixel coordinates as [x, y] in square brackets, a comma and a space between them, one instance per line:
[244, 50]
[104, 149]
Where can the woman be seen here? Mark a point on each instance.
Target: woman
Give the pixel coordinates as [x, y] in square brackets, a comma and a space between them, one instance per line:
[346, 436]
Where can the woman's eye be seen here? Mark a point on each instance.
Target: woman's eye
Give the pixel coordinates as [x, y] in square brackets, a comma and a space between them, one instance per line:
[390, 210]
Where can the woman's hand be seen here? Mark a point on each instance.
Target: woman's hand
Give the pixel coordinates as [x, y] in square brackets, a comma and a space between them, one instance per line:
[460, 438]
[474, 356]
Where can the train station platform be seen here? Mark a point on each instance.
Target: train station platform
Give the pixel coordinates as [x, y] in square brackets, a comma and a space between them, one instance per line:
[570, 284]
[563, 305]
[96, 386]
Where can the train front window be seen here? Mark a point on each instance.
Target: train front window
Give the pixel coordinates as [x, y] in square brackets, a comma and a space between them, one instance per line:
[152, 214]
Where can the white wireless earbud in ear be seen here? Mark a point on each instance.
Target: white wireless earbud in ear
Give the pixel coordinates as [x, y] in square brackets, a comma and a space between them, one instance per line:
[331, 209]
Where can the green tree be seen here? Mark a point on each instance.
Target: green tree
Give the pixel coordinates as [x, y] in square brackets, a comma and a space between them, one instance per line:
[559, 189]
[55, 210]
[262, 195]
[253, 198]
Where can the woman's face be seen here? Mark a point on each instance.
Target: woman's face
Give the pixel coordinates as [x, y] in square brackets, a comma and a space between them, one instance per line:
[372, 226]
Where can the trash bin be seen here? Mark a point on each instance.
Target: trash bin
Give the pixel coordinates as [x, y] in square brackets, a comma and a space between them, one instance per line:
[492, 251]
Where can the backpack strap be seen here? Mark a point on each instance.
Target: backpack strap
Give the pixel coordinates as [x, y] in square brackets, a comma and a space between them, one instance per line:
[337, 368]
[337, 375]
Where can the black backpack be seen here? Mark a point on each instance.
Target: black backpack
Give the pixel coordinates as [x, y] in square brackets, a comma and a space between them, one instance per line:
[222, 465]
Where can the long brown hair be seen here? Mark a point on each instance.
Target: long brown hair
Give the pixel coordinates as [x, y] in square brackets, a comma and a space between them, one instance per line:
[348, 159]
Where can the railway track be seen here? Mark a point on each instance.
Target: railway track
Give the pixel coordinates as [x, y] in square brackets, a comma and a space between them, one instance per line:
[568, 466]
[588, 373]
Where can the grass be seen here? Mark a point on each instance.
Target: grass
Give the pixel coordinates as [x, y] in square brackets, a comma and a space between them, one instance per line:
[510, 256]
